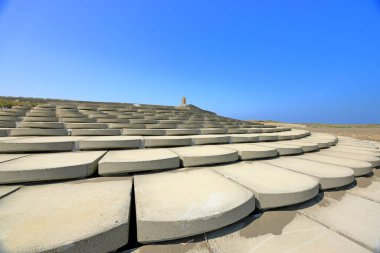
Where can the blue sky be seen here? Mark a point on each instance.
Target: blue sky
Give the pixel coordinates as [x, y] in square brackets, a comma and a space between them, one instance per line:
[295, 61]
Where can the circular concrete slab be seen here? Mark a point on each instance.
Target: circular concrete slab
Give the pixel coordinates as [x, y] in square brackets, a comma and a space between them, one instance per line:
[172, 205]
[78, 216]
[205, 155]
[375, 161]
[54, 166]
[126, 161]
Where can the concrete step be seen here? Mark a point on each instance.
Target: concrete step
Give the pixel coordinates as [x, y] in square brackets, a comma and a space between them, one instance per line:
[54, 166]
[37, 132]
[204, 201]
[110, 142]
[76, 216]
[210, 139]
[144, 132]
[205, 155]
[37, 144]
[328, 175]
[243, 138]
[375, 161]
[356, 151]
[166, 141]
[95, 132]
[273, 187]
[359, 167]
[250, 152]
[181, 132]
[86, 125]
[127, 161]
[306, 146]
[282, 148]
[47, 125]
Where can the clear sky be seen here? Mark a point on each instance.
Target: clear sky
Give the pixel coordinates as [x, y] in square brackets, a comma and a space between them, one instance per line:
[295, 61]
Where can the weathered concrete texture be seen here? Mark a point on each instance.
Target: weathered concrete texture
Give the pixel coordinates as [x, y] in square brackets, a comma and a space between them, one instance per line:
[359, 167]
[352, 216]
[8, 189]
[126, 161]
[283, 149]
[195, 244]
[8, 157]
[55, 166]
[36, 144]
[110, 142]
[77, 216]
[367, 187]
[328, 175]
[205, 155]
[358, 144]
[273, 186]
[280, 231]
[250, 152]
[187, 203]
[167, 141]
[375, 161]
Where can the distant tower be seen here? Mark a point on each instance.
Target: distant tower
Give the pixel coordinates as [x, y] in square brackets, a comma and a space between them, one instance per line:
[183, 100]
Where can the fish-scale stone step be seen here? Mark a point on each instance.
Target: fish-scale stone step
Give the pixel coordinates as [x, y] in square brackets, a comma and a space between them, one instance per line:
[54, 166]
[52, 125]
[167, 141]
[89, 215]
[37, 144]
[355, 150]
[273, 186]
[205, 155]
[182, 131]
[95, 132]
[37, 132]
[187, 203]
[86, 125]
[375, 161]
[110, 142]
[306, 146]
[267, 137]
[328, 175]
[213, 130]
[127, 161]
[282, 148]
[359, 167]
[144, 132]
[7, 124]
[242, 138]
[250, 152]
[210, 139]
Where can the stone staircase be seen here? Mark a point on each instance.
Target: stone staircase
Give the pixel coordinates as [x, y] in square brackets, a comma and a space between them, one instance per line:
[77, 177]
